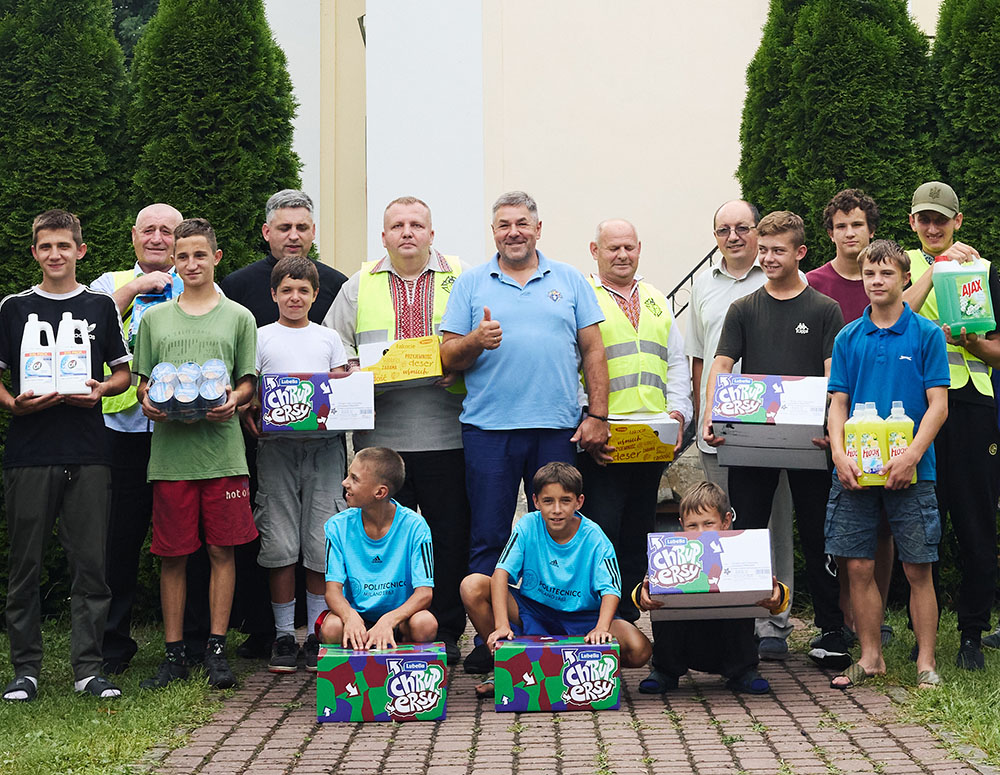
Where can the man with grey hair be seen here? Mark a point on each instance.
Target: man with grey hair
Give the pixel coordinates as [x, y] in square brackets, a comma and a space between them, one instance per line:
[521, 327]
[289, 230]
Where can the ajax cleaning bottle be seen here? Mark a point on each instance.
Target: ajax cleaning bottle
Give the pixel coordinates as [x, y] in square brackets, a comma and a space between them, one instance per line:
[963, 296]
[38, 344]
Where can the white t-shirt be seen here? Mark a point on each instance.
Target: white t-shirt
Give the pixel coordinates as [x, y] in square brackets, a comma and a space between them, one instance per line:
[309, 350]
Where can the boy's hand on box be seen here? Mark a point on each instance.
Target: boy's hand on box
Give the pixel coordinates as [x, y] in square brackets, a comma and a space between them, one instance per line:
[598, 635]
[380, 635]
[497, 635]
[822, 443]
[355, 635]
[774, 601]
[646, 602]
[224, 412]
[708, 434]
[899, 470]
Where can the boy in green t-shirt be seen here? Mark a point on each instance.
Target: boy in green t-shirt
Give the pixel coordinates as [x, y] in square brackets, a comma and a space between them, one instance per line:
[198, 469]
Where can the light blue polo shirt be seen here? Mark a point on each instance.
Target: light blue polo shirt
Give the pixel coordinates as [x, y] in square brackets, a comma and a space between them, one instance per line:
[891, 364]
[531, 379]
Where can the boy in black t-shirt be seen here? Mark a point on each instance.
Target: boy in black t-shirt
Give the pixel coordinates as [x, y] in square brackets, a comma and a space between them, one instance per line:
[55, 462]
[785, 328]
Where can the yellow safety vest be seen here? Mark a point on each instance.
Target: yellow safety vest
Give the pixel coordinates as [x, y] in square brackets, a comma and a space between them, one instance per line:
[962, 365]
[128, 399]
[637, 359]
[376, 318]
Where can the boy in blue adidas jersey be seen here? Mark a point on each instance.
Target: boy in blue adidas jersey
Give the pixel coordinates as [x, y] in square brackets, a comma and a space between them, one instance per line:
[570, 583]
[379, 561]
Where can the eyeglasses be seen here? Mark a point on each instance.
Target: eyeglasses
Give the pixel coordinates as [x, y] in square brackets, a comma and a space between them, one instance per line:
[741, 231]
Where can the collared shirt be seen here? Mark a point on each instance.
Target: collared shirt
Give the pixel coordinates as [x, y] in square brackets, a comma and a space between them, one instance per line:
[413, 298]
[898, 363]
[531, 380]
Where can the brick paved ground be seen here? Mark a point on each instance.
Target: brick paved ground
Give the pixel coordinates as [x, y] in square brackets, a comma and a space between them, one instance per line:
[803, 728]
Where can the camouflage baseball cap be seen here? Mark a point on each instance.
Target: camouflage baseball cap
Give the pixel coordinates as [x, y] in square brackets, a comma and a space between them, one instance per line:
[936, 196]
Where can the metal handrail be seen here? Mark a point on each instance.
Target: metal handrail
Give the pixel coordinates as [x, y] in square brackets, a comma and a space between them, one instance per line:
[688, 280]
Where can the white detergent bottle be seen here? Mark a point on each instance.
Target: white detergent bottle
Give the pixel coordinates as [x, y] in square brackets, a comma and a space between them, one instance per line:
[72, 356]
[38, 372]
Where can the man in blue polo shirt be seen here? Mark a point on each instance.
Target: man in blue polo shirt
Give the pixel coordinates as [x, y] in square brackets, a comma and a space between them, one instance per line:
[521, 327]
[888, 354]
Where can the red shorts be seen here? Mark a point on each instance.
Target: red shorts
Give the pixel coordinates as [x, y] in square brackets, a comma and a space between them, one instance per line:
[217, 510]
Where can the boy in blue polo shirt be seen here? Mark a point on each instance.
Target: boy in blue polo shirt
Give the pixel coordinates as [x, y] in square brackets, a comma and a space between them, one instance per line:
[570, 583]
[888, 354]
[379, 561]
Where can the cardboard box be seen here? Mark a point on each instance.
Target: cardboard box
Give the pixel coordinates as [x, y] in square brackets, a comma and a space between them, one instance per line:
[644, 437]
[407, 683]
[710, 575]
[770, 421]
[539, 673]
[317, 403]
[403, 363]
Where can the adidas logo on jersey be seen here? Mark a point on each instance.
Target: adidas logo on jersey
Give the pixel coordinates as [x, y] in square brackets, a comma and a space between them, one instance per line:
[554, 562]
[801, 328]
[376, 558]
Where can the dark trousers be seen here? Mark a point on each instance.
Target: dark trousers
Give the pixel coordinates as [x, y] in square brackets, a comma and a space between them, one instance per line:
[35, 496]
[751, 491]
[724, 647]
[435, 482]
[495, 463]
[621, 498]
[967, 469]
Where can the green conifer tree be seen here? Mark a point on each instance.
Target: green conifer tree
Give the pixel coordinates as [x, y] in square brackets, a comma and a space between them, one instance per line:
[212, 117]
[62, 87]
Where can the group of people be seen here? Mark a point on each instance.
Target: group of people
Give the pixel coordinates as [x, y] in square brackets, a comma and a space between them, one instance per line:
[537, 358]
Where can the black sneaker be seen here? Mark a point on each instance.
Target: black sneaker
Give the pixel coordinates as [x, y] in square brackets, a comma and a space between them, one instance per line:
[256, 646]
[284, 655]
[992, 640]
[219, 674]
[167, 674]
[311, 651]
[830, 650]
[480, 660]
[452, 652]
[970, 655]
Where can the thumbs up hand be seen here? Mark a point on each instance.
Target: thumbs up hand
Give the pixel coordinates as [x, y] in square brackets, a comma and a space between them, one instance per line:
[488, 333]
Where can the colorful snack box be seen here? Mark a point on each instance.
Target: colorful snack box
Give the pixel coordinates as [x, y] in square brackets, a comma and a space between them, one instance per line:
[403, 363]
[644, 437]
[710, 575]
[543, 673]
[407, 683]
[317, 403]
[770, 421]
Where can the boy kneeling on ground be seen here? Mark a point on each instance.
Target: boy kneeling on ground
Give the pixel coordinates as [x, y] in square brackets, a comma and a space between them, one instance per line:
[722, 646]
[379, 562]
[570, 583]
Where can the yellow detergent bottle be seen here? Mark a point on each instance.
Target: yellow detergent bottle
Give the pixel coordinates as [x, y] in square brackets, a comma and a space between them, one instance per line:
[899, 432]
[872, 443]
[851, 432]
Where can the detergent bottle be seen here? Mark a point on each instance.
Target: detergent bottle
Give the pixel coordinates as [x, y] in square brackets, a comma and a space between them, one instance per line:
[899, 432]
[963, 296]
[851, 432]
[871, 447]
[72, 356]
[38, 344]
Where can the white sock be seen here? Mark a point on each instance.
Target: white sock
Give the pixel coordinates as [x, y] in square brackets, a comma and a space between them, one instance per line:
[315, 605]
[82, 684]
[284, 618]
[21, 695]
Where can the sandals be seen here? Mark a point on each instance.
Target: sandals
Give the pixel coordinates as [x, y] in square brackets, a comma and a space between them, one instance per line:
[855, 675]
[928, 679]
[657, 683]
[486, 688]
[751, 682]
[22, 685]
[102, 688]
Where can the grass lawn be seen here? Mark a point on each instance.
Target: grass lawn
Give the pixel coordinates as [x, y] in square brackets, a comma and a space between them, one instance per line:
[62, 732]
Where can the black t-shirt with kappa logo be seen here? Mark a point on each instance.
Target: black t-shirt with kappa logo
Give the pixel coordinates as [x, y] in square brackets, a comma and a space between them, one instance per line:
[792, 337]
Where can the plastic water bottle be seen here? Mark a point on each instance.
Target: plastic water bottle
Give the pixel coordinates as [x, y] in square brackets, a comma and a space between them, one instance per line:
[871, 447]
[899, 432]
[963, 296]
[38, 357]
[72, 356]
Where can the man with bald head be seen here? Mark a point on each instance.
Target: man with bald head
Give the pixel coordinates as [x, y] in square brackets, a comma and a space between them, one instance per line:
[129, 432]
[648, 372]
[737, 274]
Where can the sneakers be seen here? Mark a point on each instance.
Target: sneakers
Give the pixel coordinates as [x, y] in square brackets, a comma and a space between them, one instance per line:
[311, 650]
[479, 660]
[451, 649]
[830, 650]
[992, 641]
[284, 655]
[772, 649]
[219, 674]
[970, 655]
[256, 646]
[167, 673]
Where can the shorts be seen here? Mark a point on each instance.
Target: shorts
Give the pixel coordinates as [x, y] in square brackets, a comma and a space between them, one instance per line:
[853, 518]
[216, 509]
[299, 489]
[369, 623]
[540, 619]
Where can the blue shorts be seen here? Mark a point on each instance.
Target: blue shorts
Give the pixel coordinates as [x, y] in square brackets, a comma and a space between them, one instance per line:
[540, 619]
[853, 517]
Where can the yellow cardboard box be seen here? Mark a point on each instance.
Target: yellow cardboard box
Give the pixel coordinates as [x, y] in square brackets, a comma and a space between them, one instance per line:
[643, 438]
[403, 363]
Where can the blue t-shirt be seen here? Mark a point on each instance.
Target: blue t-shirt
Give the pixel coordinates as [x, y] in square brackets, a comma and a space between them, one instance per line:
[532, 379]
[891, 364]
[569, 577]
[379, 576]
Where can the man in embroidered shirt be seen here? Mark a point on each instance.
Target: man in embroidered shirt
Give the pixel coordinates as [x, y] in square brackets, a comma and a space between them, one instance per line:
[403, 296]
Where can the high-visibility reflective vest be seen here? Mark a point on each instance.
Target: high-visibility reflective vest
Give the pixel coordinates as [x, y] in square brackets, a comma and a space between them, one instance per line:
[376, 318]
[128, 399]
[962, 365]
[637, 359]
